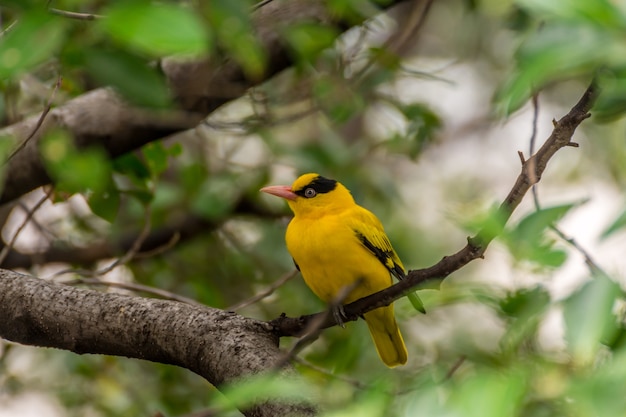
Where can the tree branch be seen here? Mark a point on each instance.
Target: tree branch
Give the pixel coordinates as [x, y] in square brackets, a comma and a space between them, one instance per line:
[178, 231]
[102, 118]
[221, 346]
[532, 170]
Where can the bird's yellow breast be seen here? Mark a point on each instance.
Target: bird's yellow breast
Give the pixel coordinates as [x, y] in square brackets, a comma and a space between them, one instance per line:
[331, 257]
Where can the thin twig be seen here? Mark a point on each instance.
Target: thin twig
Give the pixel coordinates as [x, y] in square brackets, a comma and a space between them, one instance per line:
[354, 382]
[399, 42]
[75, 15]
[127, 257]
[244, 128]
[161, 249]
[260, 4]
[593, 266]
[7, 29]
[29, 214]
[40, 121]
[533, 138]
[45, 232]
[315, 326]
[455, 366]
[415, 23]
[266, 292]
[134, 249]
[311, 333]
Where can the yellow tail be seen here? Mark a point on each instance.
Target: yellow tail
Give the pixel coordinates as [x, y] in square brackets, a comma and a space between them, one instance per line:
[386, 336]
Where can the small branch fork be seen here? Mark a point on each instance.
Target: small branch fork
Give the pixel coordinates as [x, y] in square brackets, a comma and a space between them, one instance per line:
[532, 169]
[593, 266]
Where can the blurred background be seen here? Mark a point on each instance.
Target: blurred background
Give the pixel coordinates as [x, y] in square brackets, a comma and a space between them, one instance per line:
[420, 112]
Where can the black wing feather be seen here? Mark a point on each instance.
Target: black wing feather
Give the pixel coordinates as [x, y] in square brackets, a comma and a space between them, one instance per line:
[385, 257]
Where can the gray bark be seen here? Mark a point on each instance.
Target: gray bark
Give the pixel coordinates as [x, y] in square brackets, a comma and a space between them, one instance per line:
[221, 346]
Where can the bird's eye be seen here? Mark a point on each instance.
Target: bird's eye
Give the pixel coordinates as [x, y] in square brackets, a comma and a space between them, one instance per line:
[309, 193]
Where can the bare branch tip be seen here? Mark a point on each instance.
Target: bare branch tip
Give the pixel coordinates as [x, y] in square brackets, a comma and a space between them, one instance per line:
[521, 157]
[573, 144]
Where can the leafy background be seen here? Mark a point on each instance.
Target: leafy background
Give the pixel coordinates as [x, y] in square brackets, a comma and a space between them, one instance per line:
[428, 141]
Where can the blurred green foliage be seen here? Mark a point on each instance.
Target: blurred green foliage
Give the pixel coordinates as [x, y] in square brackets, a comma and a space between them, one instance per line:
[157, 29]
[75, 171]
[236, 249]
[569, 39]
[527, 240]
[32, 39]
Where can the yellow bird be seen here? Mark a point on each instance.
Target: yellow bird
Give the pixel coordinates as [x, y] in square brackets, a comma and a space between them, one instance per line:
[338, 245]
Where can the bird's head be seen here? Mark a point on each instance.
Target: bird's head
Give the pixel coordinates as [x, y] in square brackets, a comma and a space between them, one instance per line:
[312, 195]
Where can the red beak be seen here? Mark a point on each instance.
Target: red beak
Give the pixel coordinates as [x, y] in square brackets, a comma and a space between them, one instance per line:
[283, 191]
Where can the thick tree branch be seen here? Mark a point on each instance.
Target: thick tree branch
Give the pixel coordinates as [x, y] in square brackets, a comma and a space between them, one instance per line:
[223, 347]
[102, 118]
[532, 170]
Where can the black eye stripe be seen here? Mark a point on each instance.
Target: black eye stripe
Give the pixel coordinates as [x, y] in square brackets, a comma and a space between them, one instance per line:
[320, 184]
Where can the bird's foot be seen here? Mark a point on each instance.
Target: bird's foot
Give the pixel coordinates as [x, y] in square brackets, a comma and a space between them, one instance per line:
[339, 314]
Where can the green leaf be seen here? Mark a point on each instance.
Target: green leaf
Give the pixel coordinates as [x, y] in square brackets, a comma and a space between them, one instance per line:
[308, 40]
[588, 316]
[132, 168]
[422, 124]
[611, 103]
[526, 302]
[144, 196]
[156, 157]
[132, 77]
[231, 21]
[600, 12]
[489, 224]
[175, 150]
[528, 241]
[525, 309]
[157, 29]
[88, 170]
[618, 224]
[34, 38]
[416, 302]
[354, 11]
[531, 226]
[105, 203]
[388, 60]
[75, 170]
[131, 165]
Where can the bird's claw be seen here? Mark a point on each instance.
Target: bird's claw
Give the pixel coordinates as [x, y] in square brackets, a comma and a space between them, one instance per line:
[339, 314]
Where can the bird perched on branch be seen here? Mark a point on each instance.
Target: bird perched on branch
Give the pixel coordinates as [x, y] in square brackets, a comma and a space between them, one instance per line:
[341, 249]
